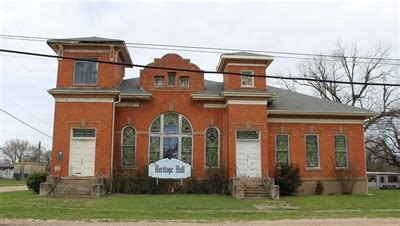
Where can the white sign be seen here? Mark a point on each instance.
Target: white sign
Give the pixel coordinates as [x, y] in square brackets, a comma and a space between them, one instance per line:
[170, 169]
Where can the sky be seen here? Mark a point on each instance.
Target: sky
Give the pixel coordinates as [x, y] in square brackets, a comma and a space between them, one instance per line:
[288, 27]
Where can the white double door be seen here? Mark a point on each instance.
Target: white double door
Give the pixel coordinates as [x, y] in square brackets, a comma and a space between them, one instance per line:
[248, 158]
[82, 157]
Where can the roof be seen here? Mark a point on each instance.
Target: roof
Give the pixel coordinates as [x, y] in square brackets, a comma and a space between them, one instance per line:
[126, 58]
[286, 102]
[383, 173]
[130, 87]
[92, 39]
[243, 56]
[297, 103]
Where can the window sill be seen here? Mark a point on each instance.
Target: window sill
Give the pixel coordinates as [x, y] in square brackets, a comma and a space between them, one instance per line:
[314, 169]
[129, 167]
[341, 168]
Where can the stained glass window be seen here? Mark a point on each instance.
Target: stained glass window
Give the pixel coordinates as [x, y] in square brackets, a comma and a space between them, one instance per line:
[171, 121]
[187, 150]
[170, 137]
[247, 135]
[186, 128]
[312, 151]
[282, 149]
[154, 149]
[212, 146]
[155, 127]
[341, 150]
[171, 79]
[128, 147]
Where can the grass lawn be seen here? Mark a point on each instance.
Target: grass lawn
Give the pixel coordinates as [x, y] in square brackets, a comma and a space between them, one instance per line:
[198, 207]
[11, 182]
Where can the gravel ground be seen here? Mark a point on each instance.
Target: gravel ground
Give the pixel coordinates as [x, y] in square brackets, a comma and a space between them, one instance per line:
[303, 222]
[13, 188]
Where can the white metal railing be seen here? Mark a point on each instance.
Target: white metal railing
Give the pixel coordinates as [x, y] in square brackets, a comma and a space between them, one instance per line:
[238, 174]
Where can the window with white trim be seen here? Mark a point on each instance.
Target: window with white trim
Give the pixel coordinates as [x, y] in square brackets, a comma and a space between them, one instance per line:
[184, 82]
[128, 152]
[170, 137]
[282, 149]
[212, 147]
[341, 151]
[86, 72]
[158, 81]
[312, 151]
[246, 80]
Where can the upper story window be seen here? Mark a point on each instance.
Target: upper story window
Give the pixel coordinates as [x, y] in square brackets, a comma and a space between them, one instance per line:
[171, 79]
[86, 72]
[158, 81]
[184, 82]
[247, 81]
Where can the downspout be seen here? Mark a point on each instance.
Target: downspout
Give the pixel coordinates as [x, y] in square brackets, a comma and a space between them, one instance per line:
[112, 141]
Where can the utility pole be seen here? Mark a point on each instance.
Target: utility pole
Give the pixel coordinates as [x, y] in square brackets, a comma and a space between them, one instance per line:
[39, 151]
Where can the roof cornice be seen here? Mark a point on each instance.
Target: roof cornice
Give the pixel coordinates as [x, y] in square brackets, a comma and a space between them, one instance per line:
[225, 57]
[58, 91]
[330, 113]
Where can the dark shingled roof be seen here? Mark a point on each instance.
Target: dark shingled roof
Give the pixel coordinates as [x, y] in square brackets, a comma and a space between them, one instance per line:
[292, 101]
[92, 39]
[131, 86]
[286, 100]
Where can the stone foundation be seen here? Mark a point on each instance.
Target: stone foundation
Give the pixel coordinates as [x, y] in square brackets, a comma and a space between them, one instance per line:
[332, 187]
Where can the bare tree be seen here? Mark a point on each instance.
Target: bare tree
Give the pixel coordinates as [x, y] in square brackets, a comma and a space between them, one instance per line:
[349, 64]
[16, 150]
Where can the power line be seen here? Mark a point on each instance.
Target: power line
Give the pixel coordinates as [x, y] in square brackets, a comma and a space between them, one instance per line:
[21, 121]
[36, 38]
[196, 71]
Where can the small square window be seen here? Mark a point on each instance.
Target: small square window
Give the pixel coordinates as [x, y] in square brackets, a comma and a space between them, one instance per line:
[171, 79]
[86, 72]
[184, 82]
[247, 81]
[158, 81]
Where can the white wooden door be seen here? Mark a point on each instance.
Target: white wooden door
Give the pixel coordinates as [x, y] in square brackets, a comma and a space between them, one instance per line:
[82, 156]
[248, 158]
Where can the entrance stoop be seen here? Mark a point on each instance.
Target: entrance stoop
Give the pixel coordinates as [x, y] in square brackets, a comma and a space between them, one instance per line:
[72, 186]
[253, 187]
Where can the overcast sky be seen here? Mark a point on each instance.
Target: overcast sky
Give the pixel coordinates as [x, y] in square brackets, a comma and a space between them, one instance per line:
[289, 27]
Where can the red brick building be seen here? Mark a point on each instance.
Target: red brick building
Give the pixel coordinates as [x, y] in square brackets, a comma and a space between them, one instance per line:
[104, 123]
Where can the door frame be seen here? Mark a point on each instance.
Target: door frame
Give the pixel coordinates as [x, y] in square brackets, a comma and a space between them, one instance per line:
[259, 145]
[81, 138]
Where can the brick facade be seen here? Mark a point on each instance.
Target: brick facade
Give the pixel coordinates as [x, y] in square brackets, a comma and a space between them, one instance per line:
[108, 110]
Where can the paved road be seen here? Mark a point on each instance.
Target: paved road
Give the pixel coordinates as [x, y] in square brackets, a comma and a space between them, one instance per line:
[314, 222]
[13, 188]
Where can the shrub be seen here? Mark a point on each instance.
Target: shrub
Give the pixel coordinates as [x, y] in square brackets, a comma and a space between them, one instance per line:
[347, 178]
[217, 180]
[34, 180]
[288, 179]
[319, 188]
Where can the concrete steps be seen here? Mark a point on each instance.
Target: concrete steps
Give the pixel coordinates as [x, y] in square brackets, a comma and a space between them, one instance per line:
[81, 187]
[255, 191]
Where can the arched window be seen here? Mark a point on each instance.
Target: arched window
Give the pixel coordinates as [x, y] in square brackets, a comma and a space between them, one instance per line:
[212, 147]
[170, 137]
[128, 152]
